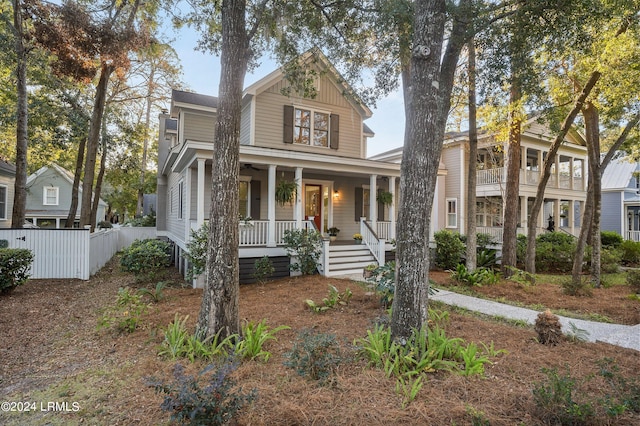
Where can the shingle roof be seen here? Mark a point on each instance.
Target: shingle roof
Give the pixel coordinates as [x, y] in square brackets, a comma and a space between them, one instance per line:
[7, 168]
[180, 96]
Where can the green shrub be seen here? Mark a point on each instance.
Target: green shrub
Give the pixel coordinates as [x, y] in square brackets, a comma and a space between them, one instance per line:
[384, 278]
[630, 253]
[104, 224]
[554, 252]
[582, 287]
[263, 269]
[610, 239]
[145, 257]
[146, 221]
[521, 249]
[4, 244]
[610, 259]
[14, 268]
[315, 355]
[479, 277]
[126, 314]
[208, 398]
[196, 253]
[254, 337]
[633, 279]
[449, 249]
[306, 247]
[555, 401]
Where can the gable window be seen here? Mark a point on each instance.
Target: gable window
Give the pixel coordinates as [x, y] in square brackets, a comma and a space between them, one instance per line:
[304, 126]
[3, 202]
[50, 195]
[452, 213]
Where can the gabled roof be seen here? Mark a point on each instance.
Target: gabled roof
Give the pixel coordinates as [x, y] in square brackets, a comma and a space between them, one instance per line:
[66, 175]
[7, 168]
[618, 174]
[180, 99]
[316, 57]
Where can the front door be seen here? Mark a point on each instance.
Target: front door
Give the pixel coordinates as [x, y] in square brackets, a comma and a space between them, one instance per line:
[313, 204]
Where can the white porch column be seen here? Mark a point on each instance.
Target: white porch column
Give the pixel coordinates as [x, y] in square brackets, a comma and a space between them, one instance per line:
[523, 163]
[571, 174]
[373, 204]
[392, 207]
[271, 206]
[572, 213]
[297, 209]
[186, 213]
[557, 164]
[556, 213]
[524, 213]
[200, 197]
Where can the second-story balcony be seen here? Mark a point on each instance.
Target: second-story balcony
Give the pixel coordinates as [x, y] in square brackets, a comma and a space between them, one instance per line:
[498, 176]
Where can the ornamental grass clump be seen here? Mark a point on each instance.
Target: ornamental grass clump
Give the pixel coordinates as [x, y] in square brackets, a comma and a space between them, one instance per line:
[548, 328]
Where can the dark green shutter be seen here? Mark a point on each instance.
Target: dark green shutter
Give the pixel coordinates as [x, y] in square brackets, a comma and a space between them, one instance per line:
[255, 199]
[335, 131]
[358, 204]
[288, 124]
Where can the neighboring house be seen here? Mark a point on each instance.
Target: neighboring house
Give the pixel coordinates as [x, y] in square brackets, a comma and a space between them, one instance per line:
[621, 198]
[319, 143]
[49, 198]
[7, 181]
[565, 193]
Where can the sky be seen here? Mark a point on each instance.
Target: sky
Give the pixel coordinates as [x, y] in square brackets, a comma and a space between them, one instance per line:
[202, 75]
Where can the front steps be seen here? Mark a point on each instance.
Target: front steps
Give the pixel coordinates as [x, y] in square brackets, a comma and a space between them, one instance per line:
[347, 259]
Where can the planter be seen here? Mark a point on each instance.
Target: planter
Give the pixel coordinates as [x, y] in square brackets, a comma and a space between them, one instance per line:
[357, 241]
[333, 237]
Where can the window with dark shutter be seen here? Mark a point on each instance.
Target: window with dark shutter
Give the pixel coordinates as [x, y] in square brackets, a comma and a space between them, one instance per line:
[288, 124]
[255, 199]
[335, 131]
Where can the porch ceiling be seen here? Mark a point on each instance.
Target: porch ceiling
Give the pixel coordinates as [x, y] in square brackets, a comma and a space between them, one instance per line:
[290, 160]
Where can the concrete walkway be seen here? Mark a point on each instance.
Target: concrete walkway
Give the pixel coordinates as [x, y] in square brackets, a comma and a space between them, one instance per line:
[626, 336]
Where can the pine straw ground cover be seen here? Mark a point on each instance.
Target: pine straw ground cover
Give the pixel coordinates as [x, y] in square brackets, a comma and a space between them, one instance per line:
[51, 351]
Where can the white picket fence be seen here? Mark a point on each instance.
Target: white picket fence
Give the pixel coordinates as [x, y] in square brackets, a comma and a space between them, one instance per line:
[72, 253]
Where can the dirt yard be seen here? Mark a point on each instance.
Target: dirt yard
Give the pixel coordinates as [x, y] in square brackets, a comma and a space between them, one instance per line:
[52, 352]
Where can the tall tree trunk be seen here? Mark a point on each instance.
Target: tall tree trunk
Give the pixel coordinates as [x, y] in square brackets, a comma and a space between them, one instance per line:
[77, 177]
[420, 161]
[98, 189]
[472, 163]
[22, 137]
[95, 127]
[530, 261]
[593, 151]
[592, 133]
[145, 146]
[512, 188]
[219, 310]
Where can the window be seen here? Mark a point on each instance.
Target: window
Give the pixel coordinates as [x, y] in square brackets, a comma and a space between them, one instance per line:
[244, 208]
[304, 126]
[311, 128]
[3, 202]
[452, 213]
[180, 199]
[50, 195]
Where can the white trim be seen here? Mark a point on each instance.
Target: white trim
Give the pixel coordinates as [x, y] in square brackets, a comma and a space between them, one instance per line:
[312, 112]
[45, 190]
[3, 214]
[455, 203]
[323, 184]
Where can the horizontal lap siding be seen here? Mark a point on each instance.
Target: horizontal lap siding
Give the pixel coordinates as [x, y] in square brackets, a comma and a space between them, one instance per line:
[247, 268]
[199, 127]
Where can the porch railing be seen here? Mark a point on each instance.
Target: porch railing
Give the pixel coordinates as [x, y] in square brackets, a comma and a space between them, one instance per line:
[384, 229]
[497, 235]
[498, 175]
[256, 232]
[633, 236]
[375, 245]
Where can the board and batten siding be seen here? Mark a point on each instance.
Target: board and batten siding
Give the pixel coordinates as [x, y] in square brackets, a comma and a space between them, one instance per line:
[199, 126]
[269, 119]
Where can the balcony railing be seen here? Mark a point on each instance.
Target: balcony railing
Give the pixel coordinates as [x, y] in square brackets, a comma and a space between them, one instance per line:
[498, 175]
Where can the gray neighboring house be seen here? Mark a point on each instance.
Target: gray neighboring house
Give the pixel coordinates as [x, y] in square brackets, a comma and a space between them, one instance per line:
[49, 198]
[7, 181]
[621, 198]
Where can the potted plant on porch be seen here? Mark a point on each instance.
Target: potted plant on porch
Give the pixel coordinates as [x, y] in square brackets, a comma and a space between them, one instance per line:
[285, 191]
[333, 233]
[357, 238]
[385, 198]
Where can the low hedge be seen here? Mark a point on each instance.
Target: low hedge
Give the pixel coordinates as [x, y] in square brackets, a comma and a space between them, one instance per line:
[14, 268]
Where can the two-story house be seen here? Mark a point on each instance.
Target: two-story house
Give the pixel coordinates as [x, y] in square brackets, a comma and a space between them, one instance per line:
[317, 142]
[621, 196]
[49, 198]
[7, 182]
[565, 193]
